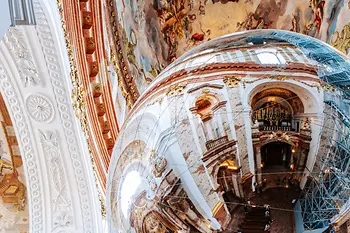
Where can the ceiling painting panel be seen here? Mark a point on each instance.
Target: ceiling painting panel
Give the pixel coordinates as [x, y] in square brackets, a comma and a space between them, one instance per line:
[156, 32]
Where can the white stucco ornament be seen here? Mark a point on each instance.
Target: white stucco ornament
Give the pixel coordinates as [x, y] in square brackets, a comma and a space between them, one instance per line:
[39, 108]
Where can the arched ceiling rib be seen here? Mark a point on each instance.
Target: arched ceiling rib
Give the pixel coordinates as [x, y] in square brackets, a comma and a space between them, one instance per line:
[33, 81]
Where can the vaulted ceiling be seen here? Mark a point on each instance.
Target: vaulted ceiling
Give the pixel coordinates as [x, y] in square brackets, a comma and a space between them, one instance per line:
[35, 68]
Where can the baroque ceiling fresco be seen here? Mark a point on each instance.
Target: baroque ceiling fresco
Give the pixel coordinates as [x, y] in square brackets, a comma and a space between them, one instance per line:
[156, 32]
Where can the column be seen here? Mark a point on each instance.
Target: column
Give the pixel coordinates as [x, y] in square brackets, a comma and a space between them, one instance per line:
[249, 140]
[300, 153]
[316, 127]
[218, 116]
[209, 130]
[258, 163]
[236, 185]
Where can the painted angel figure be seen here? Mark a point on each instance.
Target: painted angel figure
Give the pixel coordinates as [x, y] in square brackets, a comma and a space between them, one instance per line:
[318, 12]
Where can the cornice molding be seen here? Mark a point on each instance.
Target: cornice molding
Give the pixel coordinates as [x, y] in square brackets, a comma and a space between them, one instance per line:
[125, 81]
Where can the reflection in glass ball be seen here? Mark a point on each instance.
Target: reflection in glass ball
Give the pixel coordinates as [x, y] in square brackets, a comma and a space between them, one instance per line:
[128, 190]
[241, 121]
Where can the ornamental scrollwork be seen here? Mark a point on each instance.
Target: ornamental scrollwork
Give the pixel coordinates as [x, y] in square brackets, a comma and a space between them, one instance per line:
[159, 166]
[62, 210]
[326, 87]
[342, 41]
[176, 90]
[121, 85]
[78, 92]
[125, 81]
[63, 102]
[232, 81]
[283, 78]
[15, 41]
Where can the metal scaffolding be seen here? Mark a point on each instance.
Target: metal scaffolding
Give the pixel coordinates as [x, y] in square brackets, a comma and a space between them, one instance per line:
[328, 188]
[330, 65]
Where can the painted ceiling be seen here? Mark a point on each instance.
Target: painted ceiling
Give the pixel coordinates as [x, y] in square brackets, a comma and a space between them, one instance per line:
[156, 32]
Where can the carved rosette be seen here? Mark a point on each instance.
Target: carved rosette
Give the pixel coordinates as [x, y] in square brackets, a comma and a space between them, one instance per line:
[39, 108]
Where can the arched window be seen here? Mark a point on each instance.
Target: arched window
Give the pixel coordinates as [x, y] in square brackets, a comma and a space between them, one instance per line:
[269, 58]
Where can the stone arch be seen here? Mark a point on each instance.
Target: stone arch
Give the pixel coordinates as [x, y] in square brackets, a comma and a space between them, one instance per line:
[263, 143]
[209, 106]
[58, 137]
[309, 96]
[228, 164]
[204, 104]
[219, 164]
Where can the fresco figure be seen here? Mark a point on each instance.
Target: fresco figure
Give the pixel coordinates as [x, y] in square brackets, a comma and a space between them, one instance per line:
[254, 21]
[224, 1]
[166, 29]
[318, 11]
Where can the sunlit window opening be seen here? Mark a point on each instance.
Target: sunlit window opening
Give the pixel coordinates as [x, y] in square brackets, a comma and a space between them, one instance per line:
[268, 58]
[130, 185]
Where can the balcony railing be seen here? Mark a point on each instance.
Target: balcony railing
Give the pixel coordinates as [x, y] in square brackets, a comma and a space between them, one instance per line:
[216, 142]
[275, 128]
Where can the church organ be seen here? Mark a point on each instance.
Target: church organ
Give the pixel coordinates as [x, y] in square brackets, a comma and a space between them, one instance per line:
[273, 115]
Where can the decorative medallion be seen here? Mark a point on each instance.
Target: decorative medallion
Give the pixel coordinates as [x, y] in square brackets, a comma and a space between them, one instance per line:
[39, 108]
[153, 185]
[159, 167]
